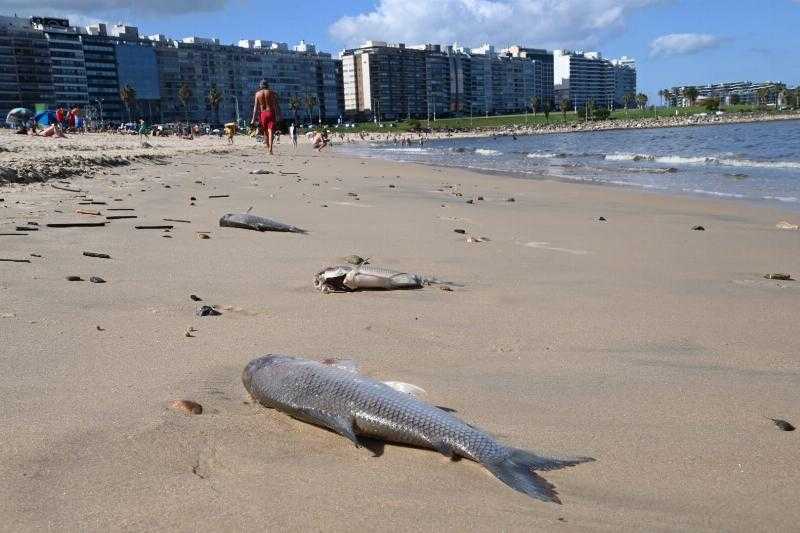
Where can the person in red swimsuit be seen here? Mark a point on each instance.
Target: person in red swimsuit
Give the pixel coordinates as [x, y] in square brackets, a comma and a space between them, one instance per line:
[268, 111]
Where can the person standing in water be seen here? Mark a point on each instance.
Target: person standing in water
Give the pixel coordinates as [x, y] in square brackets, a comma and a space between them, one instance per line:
[266, 112]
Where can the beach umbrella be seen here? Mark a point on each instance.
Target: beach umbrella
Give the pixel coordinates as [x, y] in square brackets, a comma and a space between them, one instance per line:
[18, 115]
[45, 118]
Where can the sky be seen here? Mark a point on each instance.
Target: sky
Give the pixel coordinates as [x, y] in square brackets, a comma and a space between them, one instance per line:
[675, 42]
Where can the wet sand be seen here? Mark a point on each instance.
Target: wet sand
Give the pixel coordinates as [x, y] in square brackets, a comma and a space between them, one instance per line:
[656, 349]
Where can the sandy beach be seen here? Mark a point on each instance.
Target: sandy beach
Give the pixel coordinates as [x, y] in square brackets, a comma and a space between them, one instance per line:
[658, 350]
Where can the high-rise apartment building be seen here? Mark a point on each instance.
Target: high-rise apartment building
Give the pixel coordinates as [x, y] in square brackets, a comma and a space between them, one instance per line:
[581, 77]
[58, 64]
[25, 68]
[624, 70]
[396, 81]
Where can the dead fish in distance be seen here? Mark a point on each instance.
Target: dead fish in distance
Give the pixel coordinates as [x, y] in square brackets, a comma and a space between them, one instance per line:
[346, 278]
[255, 222]
[332, 394]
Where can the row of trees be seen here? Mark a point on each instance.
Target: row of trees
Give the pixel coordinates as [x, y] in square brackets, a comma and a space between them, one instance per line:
[763, 95]
[215, 97]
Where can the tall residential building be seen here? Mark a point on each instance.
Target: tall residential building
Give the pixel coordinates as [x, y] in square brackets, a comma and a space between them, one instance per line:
[387, 81]
[740, 92]
[624, 70]
[51, 63]
[67, 61]
[25, 69]
[383, 81]
[543, 63]
[581, 77]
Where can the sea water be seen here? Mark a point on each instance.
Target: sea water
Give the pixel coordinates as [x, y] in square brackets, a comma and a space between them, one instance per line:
[755, 161]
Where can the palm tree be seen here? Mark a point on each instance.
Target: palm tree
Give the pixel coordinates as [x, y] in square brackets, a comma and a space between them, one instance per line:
[536, 103]
[691, 94]
[661, 95]
[215, 99]
[629, 98]
[295, 104]
[565, 105]
[128, 96]
[667, 95]
[641, 100]
[547, 107]
[763, 96]
[311, 103]
[185, 95]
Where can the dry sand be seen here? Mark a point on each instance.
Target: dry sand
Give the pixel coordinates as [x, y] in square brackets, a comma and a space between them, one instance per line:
[656, 349]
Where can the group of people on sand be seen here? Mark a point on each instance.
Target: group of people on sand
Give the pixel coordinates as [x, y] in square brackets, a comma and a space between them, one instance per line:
[267, 115]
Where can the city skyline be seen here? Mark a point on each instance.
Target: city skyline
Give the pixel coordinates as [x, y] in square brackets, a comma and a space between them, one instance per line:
[675, 42]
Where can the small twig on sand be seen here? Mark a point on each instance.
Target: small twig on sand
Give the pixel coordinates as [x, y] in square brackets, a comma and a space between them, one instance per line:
[15, 260]
[68, 189]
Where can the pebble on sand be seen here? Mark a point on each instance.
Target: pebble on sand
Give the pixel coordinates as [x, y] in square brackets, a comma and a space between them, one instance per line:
[779, 277]
[74, 278]
[186, 406]
[698, 228]
[95, 279]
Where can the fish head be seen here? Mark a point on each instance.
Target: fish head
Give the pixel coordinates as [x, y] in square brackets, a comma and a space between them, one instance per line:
[269, 367]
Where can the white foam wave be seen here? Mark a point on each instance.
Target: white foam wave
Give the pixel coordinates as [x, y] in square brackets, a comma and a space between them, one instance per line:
[787, 199]
[759, 164]
[715, 193]
[628, 157]
[537, 155]
[485, 151]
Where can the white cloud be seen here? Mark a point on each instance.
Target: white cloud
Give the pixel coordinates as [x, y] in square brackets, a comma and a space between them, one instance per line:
[546, 23]
[675, 44]
[94, 7]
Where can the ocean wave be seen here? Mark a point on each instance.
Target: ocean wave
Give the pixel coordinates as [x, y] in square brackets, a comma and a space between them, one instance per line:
[715, 193]
[702, 160]
[787, 199]
[486, 151]
[545, 155]
[407, 150]
[759, 164]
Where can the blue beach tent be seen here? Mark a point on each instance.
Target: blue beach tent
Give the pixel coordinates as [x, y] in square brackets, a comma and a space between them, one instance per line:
[45, 118]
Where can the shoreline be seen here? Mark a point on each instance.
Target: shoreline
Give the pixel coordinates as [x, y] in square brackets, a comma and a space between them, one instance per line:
[584, 127]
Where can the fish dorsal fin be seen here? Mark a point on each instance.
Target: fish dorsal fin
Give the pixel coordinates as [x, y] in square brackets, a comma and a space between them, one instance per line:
[406, 388]
[344, 364]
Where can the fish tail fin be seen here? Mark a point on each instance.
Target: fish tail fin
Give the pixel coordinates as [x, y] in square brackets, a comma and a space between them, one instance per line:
[517, 471]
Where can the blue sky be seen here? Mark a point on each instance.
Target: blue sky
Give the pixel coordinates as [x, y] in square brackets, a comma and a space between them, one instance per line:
[674, 41]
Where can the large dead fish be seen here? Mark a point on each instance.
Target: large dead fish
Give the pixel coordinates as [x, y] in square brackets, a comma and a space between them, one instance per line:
[346, 278]
[332, 394]
[255, 222]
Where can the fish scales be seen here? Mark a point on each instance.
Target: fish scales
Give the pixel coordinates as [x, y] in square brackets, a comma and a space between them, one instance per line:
[354, 405]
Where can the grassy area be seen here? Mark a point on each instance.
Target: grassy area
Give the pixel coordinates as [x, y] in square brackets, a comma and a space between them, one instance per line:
[522, 119]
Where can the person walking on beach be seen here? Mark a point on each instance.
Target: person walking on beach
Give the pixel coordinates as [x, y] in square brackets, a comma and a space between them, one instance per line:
[293, 134]
[267, 110]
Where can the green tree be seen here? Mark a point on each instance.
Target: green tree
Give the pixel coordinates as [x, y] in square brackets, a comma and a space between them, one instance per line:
[128, 96]
[734, 99]
[667, 95]
[565, 104]
[661, 95]
[690, 93]
[311, 103]
[629, 99]
[641, 100]
[711, 104]
[215, 99]
[547, 108]
[185, 96]
[763, 96]
[295, 104]
[536, 104]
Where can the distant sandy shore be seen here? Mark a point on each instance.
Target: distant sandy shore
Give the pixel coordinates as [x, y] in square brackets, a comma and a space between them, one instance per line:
[658, 350]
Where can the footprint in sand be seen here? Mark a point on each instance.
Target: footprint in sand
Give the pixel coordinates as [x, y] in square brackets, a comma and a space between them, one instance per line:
[546, 246]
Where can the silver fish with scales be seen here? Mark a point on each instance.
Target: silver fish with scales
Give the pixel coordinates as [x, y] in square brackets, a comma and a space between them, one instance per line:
[332, 394]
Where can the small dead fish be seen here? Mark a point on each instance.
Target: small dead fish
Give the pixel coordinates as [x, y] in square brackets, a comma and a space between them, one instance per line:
[332, 394]
[782, 424]
[779, 277]
[346, 278]
[254, 222]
